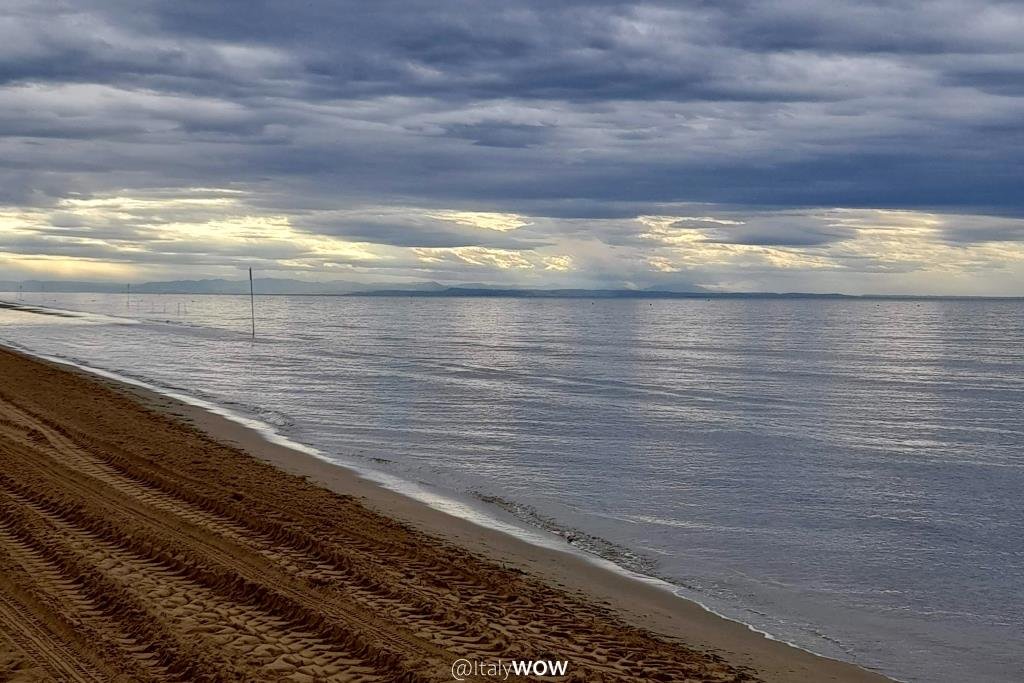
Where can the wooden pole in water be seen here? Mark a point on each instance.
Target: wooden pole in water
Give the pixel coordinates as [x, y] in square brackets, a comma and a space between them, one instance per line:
[252, 305]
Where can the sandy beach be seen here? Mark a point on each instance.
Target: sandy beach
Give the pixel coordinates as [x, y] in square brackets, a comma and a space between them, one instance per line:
[145, 539]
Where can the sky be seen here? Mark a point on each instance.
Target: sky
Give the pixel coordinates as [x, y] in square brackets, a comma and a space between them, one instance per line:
[865, 146]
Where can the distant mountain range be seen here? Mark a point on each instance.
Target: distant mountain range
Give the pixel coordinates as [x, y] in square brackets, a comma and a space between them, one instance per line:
[283, 286]
[279, 286]
[217, 286]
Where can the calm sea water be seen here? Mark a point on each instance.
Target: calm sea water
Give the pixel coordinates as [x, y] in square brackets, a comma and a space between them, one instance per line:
[845, 475]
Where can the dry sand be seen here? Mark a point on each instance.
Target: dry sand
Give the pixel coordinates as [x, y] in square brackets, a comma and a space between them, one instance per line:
[143, 539]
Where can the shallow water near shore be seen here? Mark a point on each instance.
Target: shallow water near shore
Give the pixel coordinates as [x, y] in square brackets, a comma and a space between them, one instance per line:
[844, 475]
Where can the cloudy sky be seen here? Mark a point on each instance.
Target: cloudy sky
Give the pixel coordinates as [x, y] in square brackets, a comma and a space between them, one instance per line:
[854, 146]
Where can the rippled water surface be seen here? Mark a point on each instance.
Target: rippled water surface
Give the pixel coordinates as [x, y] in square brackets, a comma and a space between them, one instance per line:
[846, 475]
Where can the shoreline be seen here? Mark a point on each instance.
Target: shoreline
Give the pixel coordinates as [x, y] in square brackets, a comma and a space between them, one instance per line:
[636, 599]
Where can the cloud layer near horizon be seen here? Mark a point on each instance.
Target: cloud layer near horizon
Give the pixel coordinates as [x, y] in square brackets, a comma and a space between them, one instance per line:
[852, 146]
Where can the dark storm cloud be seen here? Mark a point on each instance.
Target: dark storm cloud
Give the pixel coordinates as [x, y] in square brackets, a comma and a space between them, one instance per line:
[426, 79]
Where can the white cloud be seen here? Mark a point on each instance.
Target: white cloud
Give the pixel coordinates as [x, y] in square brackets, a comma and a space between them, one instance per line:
[212, 231]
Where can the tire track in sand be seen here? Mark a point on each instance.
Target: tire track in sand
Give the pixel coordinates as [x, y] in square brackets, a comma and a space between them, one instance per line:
[51, 490]
[103, 623]
[241, 632]
[37, 642]
[433, 619]
[436, 623]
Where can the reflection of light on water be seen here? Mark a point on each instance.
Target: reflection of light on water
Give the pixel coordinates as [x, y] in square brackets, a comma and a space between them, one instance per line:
[26, 314]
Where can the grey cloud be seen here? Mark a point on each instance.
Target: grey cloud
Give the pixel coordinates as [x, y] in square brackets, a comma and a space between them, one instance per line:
[243, 79]
[500, 134]
[977, 229]
[792, 230]
[581, 115]
[414, 231]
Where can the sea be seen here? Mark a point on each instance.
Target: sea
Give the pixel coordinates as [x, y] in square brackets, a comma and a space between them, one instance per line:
[845, 475]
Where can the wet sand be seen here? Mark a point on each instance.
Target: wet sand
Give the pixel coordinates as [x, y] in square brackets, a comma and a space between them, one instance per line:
[145, 539]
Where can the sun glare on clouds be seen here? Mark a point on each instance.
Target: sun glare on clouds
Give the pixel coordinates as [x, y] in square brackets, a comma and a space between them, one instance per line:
[485, 220]
[211, 231]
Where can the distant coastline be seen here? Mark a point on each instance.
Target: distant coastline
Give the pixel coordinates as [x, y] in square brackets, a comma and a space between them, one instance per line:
[290, 287]
[660, 294]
